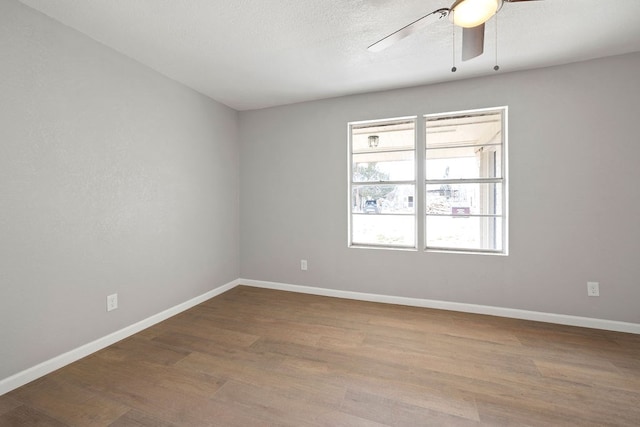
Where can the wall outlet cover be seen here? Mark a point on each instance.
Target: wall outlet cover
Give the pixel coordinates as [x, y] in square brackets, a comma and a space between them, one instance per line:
[112, 302]
[593, 289]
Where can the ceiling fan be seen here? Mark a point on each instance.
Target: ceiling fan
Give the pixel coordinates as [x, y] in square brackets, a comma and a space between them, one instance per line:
[468, 14]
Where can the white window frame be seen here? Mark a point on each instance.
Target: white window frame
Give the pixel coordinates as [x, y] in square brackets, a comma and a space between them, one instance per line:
[420, 174]
[502, 181]
[414, 182]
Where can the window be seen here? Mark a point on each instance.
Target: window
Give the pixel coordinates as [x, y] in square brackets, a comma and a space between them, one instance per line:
[383, 183]
[465, 190]
[462, 205]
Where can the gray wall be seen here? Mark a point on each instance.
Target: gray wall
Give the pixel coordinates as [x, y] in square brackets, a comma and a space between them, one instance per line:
[112, 179]
[574, 194]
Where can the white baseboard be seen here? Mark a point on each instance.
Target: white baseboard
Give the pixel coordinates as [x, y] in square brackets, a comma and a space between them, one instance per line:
[71, 356]
[35, 372]
[561, 319]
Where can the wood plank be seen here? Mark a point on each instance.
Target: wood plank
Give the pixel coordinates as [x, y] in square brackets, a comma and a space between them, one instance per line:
[135, 418]
[27, 416]
[69, 403]
[7, 404]
[389, 411]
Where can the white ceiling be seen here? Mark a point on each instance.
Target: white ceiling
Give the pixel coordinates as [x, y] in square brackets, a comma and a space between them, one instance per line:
[251, 54]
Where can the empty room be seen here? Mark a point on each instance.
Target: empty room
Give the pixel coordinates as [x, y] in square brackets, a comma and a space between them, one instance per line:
[319, 213]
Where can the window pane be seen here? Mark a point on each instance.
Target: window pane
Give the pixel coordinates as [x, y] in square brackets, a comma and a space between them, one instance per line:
[464, 232]
[464, 130]
[390, 230]
[383, 199]
[386, 136]
[464, 199]
[465, 162]
[393, 166]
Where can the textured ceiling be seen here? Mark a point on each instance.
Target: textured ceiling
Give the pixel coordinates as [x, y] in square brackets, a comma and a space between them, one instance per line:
[251, 54]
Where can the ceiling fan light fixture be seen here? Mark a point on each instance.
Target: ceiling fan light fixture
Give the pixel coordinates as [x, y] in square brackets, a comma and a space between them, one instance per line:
[471, 13]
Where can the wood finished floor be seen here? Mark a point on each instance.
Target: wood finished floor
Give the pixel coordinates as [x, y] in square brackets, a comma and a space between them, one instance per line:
[257, 357]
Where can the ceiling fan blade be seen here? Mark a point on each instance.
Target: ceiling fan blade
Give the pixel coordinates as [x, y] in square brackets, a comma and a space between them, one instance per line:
[472, 42]
[518, 1]
[403, 32]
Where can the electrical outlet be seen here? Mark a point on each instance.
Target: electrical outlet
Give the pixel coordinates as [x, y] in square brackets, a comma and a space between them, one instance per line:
[112, 302]
[593, 289]
[303, 265]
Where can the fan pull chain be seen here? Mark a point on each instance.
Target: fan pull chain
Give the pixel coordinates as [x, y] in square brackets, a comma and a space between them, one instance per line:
[496, 67]
[453, 47]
